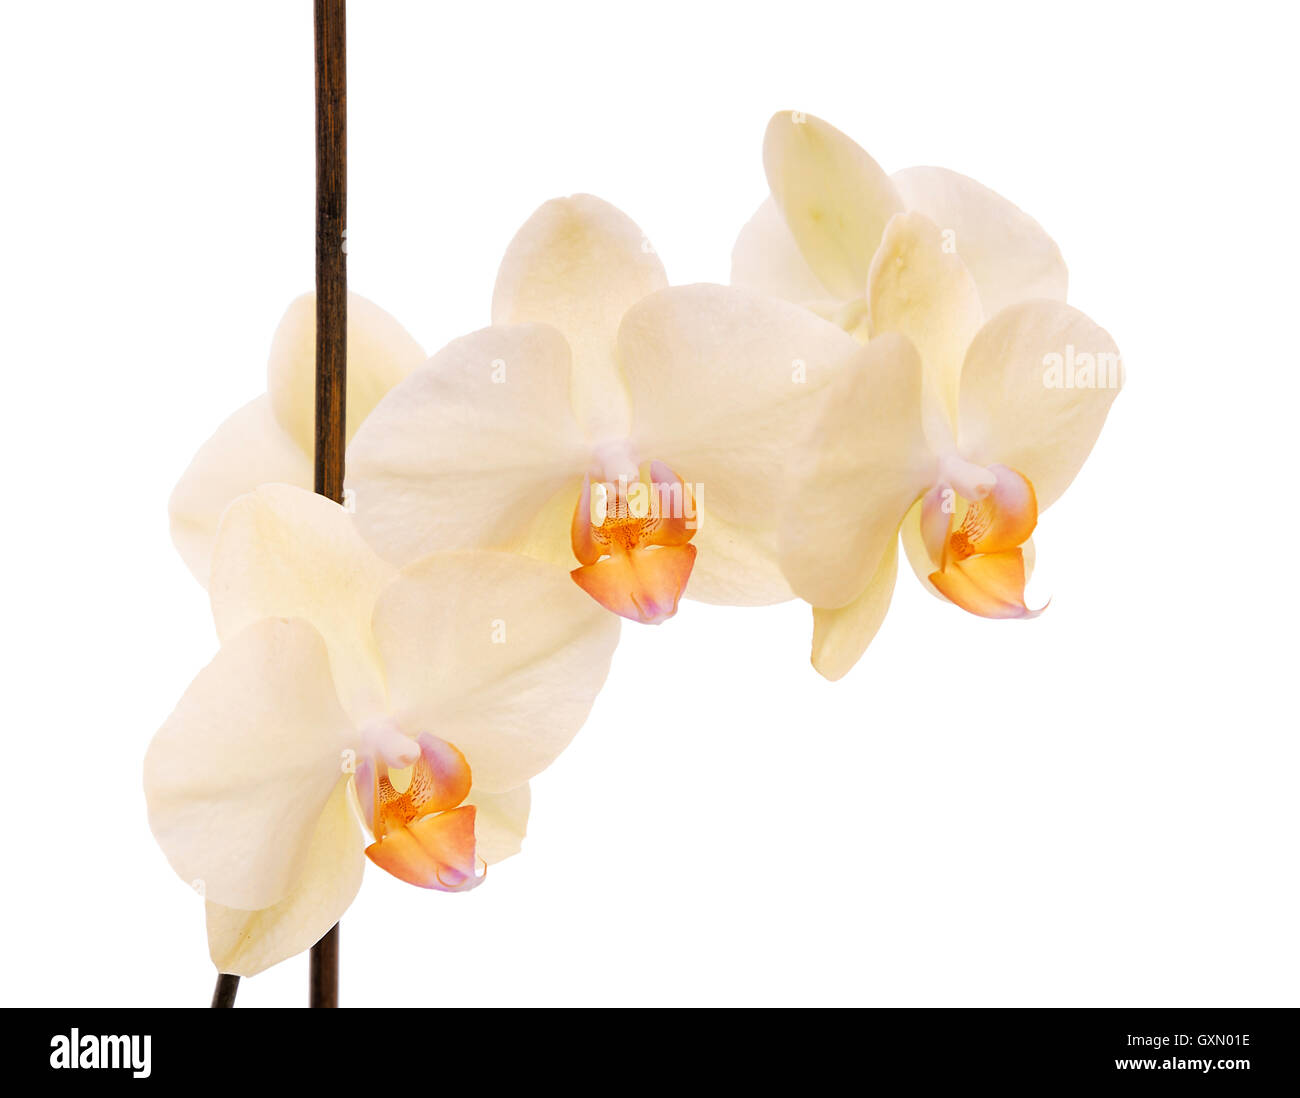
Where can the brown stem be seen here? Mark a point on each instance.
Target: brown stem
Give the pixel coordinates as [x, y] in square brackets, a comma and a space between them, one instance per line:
[325, 970]
[331, 329]
[331, 260]
[223, 995]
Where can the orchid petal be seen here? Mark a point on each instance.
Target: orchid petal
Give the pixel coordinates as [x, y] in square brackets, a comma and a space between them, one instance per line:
[737, 565]
[380, 354]
[921, 289]
[766, 259]
[991, 585]
[1036, 385]
[1001, 520]
[501, 822]
[835, 198]
[643, 585]
[841, 636]
[438, 781]
[249, 449]
[239, 774]
[578, 264]
[286, 552]
[937, 509]
[432, 852]
[496, 653]
[248, 942]
[863, 466]
[725, 385]
[1007, 251]
[924, 553]
[470, 451]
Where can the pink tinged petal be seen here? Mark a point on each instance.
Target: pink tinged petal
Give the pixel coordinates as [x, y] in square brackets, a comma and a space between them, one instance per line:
[643, 585]
[435, 852]
[1002, 520]
[440, 780]
[990, 586]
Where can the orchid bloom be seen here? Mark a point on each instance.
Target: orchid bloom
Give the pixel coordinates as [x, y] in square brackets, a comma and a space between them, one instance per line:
[637, 433]
[979, 396]
[416, 702]
[955, 430]
[270, 440]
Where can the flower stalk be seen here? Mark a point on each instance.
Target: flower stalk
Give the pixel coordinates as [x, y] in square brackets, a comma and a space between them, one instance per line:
[331, 329]
[223, 995]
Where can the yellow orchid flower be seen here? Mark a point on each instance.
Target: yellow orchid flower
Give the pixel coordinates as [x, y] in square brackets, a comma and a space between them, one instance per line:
[637, 433]
[270, 440]
[980, 398]
[957, 433]
[416, 702]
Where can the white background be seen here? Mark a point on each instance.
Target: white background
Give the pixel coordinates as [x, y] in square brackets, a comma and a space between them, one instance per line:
[1098, 807]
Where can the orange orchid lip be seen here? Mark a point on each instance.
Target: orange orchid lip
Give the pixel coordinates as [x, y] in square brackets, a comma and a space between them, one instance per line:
[981, 563]
[434, 852]
[634, 547]
[424, 835]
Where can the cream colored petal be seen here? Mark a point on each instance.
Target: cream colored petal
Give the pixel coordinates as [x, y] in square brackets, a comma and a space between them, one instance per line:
[836, 200]
[1007, 251]
[921, 289]
[841, 636]
[499, 654]
[248, 450]
[767, 261]
[1037, 383]
[851, 484]
[736, 566]
[472, 449]
[725, 385]
[239, 774]
[380, 354]
[547, 536]
[501, 822]
[248, 942]
[578, 264]
[289, 553]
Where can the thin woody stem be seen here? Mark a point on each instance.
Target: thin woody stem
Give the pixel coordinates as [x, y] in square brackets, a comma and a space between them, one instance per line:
[331, 330]
[223, 995]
